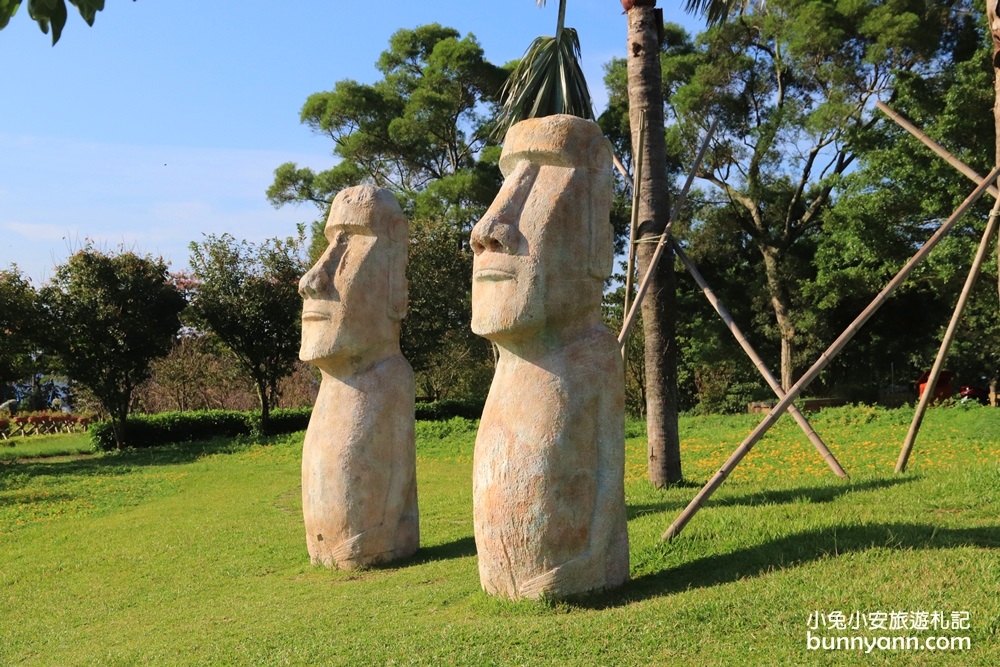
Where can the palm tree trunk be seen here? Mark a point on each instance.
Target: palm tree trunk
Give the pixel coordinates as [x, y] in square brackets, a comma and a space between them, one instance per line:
[658, 308]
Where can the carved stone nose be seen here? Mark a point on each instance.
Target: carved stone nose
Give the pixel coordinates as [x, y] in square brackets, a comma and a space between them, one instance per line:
[311, 283]
[317, 283]
[494, 235]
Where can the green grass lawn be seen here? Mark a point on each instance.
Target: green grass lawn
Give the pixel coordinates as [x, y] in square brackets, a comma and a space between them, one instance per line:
[45, 445]
[196, 555]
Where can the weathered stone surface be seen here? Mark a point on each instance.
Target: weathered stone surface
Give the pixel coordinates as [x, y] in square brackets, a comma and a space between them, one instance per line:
[359, 489]
[548, 471]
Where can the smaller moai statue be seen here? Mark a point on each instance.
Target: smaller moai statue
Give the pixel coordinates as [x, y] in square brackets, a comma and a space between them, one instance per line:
[359, 486]
[548, 469]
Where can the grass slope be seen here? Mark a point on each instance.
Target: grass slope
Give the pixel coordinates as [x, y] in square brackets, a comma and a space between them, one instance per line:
[45, 445]
[196, 555]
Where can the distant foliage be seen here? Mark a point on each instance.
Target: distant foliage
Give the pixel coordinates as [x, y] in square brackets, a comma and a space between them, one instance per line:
[17, 316]
[142, 431]
[247, 295]
[171, 427]
[448, 409]
[201, 374]
[107, 317]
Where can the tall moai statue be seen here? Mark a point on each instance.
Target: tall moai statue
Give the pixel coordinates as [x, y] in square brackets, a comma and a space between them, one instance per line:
[359, 487]
[548, 469]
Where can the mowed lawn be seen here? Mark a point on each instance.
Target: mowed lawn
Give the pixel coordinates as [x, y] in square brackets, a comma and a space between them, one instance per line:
[196, 555]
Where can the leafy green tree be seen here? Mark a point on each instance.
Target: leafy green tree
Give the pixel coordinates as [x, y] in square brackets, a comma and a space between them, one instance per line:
[791, 99]
[423, 133]
[888, 206]
[50, 13]
[448, 359]
[18, 317]
[247, 295]
[107, 317]
[419, 132]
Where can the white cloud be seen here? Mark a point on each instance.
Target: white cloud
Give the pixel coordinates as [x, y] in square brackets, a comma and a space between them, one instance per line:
[36, 232]
[151, 199]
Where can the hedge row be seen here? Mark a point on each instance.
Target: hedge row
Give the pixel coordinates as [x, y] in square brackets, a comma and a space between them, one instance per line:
[438, 410]
[169, 427]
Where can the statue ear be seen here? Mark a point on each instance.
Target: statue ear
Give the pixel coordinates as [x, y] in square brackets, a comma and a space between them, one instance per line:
[398, 248]
[602, 240]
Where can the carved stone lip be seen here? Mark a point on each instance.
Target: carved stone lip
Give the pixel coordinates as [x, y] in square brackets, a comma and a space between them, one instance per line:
[314, 316]
[493, 275]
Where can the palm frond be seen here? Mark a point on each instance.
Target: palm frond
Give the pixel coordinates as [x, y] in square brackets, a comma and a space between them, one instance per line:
[717, 11]
[548, 80]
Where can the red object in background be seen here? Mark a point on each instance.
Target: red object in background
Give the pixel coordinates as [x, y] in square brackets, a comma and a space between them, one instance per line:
[977, 394]
[942, 391]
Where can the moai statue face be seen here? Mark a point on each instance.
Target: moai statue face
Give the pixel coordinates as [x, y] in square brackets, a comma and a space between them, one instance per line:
[355, 295]
[544, 248]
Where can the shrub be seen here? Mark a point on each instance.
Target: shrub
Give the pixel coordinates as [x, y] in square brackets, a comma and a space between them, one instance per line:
[170, 427]
[447, 409]
[290, 420]
[445, 428]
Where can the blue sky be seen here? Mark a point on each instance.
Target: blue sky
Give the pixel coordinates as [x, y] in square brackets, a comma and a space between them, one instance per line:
[165, 120]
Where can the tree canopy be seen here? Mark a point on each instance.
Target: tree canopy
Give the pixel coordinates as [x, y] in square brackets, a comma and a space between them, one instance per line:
[247, 295]
[107, 317]
[792, 85]
[547, 80]
[887, 207]
[18, 320]
[421, 130]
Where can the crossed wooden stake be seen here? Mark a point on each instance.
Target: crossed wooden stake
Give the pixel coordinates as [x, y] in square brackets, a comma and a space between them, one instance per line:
[785, 399]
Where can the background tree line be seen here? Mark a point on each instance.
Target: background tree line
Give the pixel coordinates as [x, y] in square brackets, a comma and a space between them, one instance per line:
[808, 202]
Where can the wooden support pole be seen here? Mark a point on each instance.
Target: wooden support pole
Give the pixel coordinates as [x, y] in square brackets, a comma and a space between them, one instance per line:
[824, 359]
[675, 210]
[935, 373]
[762, 368]
[634, 224]
[965, 169]
[949, 336]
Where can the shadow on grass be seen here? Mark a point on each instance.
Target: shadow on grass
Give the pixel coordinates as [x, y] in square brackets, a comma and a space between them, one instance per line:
[460, 548]
[792, 551]
[636, 510]
[122, 462]
[24, 498]
[811, 494]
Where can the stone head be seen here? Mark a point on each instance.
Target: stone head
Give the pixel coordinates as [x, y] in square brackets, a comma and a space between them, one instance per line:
[545, 246]
[354, 296]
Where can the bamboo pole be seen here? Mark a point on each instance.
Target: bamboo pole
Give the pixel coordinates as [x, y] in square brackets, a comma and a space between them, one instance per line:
[662, 242]
[965, 169]
[934, 375]
[949, 336]
[824, 359]
[634, 224]
[762, 368]
[621, 169]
